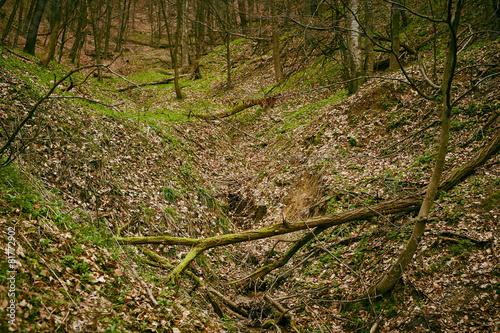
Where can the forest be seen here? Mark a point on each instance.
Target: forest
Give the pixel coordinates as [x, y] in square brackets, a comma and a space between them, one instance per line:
[250, 166]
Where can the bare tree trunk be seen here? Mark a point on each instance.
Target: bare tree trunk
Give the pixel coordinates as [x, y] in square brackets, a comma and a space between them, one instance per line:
[275, 38]
[29, 47]
[11, 19]
[227, 24]
[229, 82]
[370, 55]
[496, 8]
[175, 59]
[55, 23]
[390, 279]
[107, 36]
[70, 7]
[159, 20]
[151, 23]
[80, 30]
[28, 17]
[133, 14]
[19, 29]
[94, 13]
[395, 44]
[122, 27]
[242, 11]
[173, 47]
[354, 49]
[278, 72]
[199, 36]
[185, 36]
[83, 47]
[200, 28]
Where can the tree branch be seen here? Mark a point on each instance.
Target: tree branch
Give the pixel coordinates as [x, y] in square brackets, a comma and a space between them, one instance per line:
[410, 203]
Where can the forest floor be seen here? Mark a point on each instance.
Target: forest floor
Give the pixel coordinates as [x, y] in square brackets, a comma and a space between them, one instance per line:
[140, 163]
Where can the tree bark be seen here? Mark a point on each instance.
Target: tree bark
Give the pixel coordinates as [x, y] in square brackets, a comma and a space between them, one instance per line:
[200, 28]
[8, 27]
[80, 29]
[185, 36]
[29, 47]
[55, 23]
[395, 45]
[175, 57]
[354, 50]
[107, 35]
[122, 27]
[278, 71]
[226, 21]
[370, 55]
[251, 11]
[390, 279]
[242, 10]
[94, 13]
[229, 82]
[29, 16]
[19, 29]
[70, 8]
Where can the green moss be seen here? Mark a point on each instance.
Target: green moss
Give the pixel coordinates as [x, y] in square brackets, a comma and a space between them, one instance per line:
[491, 201]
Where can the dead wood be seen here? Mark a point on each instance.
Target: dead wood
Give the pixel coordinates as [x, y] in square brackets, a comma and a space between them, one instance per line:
[481, 130]
[159, 261]
[155, 83]
[264, 270]
[406, 204]
[233, 306]
[238, 108]
[283, 313]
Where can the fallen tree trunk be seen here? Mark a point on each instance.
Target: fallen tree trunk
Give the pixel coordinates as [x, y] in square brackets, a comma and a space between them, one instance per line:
[407, 204]
[164, 81]
[238, 108]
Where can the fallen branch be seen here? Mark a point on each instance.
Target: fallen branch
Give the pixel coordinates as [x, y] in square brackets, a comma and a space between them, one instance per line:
[434, 123]
[109, 106]
[264, 270]
[454, 237]
[407, 204]
[233, 306]
[164, 81]
[481, 130]
[239, 130]
[238, 108]
[161, 262]
[282, 312]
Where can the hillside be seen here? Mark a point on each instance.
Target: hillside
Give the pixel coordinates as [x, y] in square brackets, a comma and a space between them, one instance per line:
[115, 185]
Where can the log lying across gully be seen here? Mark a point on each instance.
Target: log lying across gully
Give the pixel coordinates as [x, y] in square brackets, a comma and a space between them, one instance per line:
[155, 83]
[407, 204]
[238, 108]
